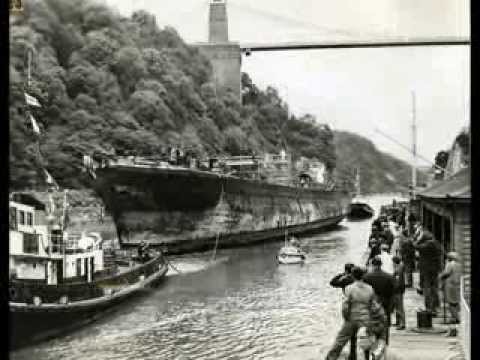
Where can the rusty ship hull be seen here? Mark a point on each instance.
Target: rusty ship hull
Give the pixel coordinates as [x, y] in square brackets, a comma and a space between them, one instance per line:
[187, 210]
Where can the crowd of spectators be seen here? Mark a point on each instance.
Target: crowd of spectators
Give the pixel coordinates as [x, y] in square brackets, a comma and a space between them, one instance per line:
[398, 247]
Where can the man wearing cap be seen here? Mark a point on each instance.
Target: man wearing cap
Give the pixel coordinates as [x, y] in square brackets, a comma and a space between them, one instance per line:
[451, 281]
[356, 309]
[344, 279]
[384, 285]
[429, 264]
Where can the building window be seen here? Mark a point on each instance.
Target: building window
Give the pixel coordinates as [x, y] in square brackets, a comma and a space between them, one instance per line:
[21, 217]
[30, 243]
[13, 218]
[29, 219]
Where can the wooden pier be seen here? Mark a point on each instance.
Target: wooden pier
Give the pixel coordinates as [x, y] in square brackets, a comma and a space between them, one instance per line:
[412, 345]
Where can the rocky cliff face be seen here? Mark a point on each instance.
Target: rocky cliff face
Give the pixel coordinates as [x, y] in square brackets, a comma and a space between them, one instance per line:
[85, 212]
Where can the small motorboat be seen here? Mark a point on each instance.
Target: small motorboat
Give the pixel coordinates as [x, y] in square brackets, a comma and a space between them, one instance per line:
[291, 253]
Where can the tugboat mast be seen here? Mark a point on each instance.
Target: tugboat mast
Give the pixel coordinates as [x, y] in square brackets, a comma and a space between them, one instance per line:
[414, 148]
[29, 64]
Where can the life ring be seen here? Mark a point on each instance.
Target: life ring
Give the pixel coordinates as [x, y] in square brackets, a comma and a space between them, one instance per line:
[37, 300]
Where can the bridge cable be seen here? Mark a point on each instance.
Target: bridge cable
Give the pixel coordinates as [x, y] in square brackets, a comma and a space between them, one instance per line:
[292, 21]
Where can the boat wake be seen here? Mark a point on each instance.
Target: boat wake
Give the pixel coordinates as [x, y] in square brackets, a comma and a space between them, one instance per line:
[182, 267]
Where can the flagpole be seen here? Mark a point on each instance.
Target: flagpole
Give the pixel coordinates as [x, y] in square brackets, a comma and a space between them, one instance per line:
[63, 229]
[29, 64]
[414, 147]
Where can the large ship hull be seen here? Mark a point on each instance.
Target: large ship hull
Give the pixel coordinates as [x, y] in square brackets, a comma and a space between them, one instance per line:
[187, 210]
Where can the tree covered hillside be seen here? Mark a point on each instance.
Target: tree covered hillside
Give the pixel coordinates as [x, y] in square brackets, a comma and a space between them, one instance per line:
[109, 82]
[379, 172]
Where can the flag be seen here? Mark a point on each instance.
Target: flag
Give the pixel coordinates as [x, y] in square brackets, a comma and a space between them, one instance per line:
[31, 100]
[50, 180]
[35, 127]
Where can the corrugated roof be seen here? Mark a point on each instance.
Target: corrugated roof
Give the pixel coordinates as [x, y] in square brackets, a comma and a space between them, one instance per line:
[457, 186]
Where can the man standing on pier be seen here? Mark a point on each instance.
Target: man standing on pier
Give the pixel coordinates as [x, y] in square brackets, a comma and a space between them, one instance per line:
[356, 311]
[384, 285]
[407, 253]
[399, 292]
[451, 281]
[430, 266]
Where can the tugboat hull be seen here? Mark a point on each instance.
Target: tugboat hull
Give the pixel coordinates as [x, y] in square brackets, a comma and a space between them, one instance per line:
[30, 324]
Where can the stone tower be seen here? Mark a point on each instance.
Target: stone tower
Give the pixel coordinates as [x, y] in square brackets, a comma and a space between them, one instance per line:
[218, 22]
[225, 56]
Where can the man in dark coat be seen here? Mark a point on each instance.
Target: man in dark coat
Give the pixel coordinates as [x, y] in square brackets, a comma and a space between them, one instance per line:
[384, 285]
[407, 254]
[399, 292]
[344, 279]
[429, 264]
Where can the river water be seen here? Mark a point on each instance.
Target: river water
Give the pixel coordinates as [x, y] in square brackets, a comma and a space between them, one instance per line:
[247, 307]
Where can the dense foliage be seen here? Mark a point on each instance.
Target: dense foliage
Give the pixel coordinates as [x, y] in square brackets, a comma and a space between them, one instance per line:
[108, 82]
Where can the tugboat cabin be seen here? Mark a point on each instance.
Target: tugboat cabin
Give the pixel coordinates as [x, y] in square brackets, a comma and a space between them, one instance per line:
[40, 252]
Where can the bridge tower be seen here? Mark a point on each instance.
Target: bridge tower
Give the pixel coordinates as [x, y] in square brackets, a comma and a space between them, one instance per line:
[224, 55]
[218, 22]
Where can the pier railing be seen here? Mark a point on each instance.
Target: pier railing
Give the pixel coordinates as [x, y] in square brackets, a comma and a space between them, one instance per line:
[465, 292]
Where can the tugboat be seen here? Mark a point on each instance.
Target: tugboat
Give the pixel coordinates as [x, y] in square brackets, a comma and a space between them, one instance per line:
[291, 253]
[59, 281]
[359, 210]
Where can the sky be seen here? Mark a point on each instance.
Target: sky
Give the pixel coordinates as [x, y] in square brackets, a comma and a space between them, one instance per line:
[356, 90]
